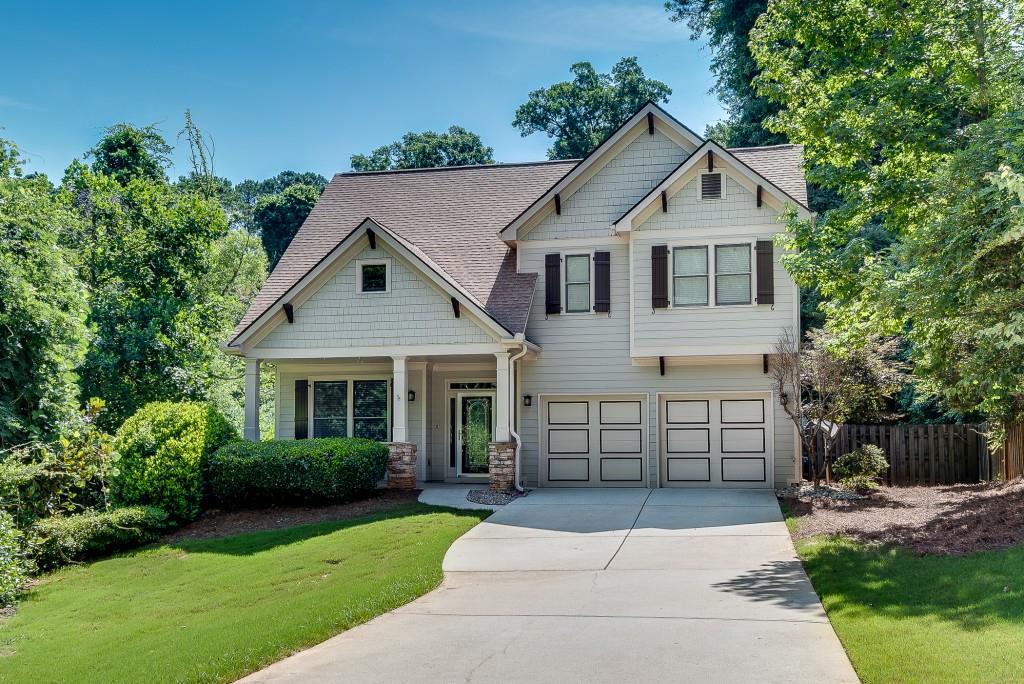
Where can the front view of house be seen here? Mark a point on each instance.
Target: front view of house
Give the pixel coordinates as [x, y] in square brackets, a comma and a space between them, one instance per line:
[594, 323]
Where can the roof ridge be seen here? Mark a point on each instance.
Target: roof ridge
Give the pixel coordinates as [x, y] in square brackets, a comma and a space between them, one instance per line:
[762, 147]
[497, 165]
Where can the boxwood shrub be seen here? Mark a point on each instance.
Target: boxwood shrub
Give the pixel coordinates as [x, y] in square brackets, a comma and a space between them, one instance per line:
[163, 450]
[245, 474]
[65, 538]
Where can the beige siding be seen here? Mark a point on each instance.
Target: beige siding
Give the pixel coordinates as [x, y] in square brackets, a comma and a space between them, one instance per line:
[413, 312]
[613, 190]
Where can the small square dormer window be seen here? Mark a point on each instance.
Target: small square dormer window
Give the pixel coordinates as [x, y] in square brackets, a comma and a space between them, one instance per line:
[373, 276]
[710, 186]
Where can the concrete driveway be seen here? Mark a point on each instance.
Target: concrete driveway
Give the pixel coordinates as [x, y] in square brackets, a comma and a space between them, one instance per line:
[592, 585]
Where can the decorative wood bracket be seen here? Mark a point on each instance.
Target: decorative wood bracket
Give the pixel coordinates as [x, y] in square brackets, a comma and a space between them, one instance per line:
[289, 311]
[759, 189]
[711, 161]
[558, 204]
[661, 364]
[664, 202]
[456, 309]
[373, 238]
[650, 123]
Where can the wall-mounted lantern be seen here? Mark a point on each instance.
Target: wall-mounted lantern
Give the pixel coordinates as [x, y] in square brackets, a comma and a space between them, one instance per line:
[527, 400]
[412, 396]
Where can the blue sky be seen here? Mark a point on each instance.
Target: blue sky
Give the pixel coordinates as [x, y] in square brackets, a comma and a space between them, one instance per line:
[303, 85]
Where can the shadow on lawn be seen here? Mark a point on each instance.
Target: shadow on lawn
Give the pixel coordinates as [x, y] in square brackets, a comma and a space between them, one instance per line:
[249, 543]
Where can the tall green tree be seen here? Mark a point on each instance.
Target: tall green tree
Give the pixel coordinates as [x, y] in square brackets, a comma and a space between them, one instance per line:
[726, 24]
[251, 190]
[581, 113]
[278, 218]
[126, 152]
[43, 311]
[454, 147]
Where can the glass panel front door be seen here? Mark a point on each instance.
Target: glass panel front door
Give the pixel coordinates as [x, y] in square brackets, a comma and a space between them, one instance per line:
[475, 432]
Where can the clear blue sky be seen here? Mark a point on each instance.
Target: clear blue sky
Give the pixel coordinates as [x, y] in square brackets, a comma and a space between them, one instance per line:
[303, 85]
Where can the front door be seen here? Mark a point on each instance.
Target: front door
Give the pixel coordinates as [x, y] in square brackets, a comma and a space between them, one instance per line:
[474, 431]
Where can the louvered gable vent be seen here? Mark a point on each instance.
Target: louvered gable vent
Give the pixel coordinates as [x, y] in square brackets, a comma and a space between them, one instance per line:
[711, 186]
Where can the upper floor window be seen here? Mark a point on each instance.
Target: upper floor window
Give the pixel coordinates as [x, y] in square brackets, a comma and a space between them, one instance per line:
[577, 283]
[373, 276]
[732, 274]
[690, 276]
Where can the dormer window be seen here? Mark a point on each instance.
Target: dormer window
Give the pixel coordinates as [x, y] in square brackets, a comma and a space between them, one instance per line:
[710, 186]
[373, 276]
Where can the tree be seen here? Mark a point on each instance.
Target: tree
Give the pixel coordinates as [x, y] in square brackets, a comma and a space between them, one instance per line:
[727, 25]
[42, 316]
[581, 113]
[126, 152]
[278, 217]
[251, 191]
[454, 147]
[834, 383]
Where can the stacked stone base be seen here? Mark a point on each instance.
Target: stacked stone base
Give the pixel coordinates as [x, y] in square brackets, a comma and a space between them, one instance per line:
[501, 466]
[401, 465]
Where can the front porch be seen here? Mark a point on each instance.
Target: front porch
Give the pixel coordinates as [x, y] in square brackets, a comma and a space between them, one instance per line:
[457, 411]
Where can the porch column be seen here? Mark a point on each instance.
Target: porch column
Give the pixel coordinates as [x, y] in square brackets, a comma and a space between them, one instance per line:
[399, 408]
[252, 400]
[502, 421]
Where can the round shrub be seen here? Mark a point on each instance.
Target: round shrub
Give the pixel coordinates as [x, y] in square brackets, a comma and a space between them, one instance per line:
[66, 538]
[13, 571]
[861, 467]
[163, 449]
[243, 474]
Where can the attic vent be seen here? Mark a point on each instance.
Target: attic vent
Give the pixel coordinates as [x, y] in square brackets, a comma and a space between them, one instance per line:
[711, 186]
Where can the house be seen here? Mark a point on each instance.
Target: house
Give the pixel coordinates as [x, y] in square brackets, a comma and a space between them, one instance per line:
[597, 322]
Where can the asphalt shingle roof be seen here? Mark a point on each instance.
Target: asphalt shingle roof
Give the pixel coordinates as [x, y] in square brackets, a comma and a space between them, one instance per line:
[453, 216]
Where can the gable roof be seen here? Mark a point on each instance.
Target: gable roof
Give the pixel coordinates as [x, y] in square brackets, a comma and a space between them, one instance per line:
[452, 216]
[783, 165]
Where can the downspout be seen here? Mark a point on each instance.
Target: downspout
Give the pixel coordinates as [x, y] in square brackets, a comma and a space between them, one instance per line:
[514, 408]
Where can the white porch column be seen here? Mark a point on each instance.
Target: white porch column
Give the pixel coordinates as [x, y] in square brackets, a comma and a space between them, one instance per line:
[252, 400]
[502, 414]
[399, 407]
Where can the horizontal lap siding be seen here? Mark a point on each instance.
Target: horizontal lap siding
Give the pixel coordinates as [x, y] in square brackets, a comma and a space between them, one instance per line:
[590, 210]
[412, 312]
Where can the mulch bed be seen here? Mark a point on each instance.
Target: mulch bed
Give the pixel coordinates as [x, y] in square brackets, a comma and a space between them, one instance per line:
[212, 524]
[949, 520]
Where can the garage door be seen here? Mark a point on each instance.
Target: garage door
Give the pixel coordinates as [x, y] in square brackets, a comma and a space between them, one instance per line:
[593, 441]
[715, 440]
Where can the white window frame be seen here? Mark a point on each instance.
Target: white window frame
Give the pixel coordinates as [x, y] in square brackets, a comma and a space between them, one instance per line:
[712, 272]
[749, 274]
[386, 263]
[700, 185]
[707, 276]
[565, 272]
[350, 423]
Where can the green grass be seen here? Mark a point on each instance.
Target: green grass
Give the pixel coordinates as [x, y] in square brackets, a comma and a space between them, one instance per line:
[213, 610]
[908, 618]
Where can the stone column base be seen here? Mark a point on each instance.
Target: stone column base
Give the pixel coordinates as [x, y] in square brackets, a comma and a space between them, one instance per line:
[501, 466]
[401, 465]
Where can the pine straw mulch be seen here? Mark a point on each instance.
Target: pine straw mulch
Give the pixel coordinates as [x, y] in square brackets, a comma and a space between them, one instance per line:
[212, 524]
[948, 520]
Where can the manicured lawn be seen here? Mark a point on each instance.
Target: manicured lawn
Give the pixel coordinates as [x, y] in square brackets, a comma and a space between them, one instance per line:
[213, 610]
[908, 618]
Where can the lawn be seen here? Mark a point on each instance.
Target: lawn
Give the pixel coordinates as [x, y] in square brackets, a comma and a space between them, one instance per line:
[909, 618]
[213, 610]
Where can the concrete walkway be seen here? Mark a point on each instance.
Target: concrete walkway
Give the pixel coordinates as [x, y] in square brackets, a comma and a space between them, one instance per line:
[591, 585]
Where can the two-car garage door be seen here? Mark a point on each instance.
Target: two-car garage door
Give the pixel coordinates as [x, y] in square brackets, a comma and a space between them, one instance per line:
[712, 440]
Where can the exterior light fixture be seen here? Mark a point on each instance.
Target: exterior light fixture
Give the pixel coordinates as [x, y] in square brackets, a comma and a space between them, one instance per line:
[527, 400]
[783, 398]
[412, 396]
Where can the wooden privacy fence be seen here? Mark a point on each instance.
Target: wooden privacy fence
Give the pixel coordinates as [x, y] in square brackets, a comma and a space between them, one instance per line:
[922, 454]
[1008, 459]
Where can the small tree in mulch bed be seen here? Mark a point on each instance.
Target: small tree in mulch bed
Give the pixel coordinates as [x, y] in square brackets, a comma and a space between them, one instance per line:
[834, 381]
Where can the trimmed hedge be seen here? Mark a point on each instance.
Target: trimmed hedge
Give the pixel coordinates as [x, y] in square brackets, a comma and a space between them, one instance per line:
[163, 449]
[67, 538]
[245, 474]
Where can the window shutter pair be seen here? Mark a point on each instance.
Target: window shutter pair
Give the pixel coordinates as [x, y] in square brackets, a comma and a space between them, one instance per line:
[301, 409]
[553, 283]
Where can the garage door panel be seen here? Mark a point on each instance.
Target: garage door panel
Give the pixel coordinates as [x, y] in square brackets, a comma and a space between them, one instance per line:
[689, 469]
[617, 441]
[597, 440]
[742, 410]
[744, 469]
[574, 441]
[687, 411]
[688, 440]
[622, 469]
[574, 469]
[742, 440]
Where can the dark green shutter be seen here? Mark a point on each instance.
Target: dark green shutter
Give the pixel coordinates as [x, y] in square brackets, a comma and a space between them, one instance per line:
[301, 409]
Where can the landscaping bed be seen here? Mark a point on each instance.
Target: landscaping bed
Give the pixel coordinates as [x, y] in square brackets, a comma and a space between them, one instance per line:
[950, 520]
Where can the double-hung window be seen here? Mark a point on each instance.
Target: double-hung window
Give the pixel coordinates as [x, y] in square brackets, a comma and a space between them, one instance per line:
[690, 276]
[732, 274]
[343, 408]
[577, 283]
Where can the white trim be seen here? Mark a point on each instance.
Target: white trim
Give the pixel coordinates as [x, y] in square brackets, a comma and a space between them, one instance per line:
[708, 360]
[386, 263]
[373, 352]
[703, 350]
[563, 243]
